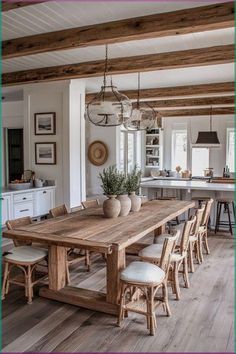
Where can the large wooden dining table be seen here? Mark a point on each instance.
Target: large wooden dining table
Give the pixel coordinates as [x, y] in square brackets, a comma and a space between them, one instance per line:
[89, 229]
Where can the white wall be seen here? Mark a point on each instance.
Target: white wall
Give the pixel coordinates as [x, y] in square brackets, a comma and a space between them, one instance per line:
[67, 100]
[194, 125]
[109, 136]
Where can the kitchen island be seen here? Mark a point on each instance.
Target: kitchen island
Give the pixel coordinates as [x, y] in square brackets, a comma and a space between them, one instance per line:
[185, 190]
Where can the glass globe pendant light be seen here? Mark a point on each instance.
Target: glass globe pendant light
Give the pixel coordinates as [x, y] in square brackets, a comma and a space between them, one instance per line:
[109, 107]
[143, 115]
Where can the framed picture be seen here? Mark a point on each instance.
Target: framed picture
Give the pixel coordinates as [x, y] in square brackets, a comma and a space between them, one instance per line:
[45, 153]
[45, 123]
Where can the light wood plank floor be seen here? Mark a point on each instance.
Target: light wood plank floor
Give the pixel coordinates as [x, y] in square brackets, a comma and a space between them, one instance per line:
[202, 321]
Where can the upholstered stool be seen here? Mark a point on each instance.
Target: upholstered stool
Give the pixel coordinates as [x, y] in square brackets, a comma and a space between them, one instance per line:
[226, 203]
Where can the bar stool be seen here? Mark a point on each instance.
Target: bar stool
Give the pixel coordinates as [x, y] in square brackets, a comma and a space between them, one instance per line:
[226, 203]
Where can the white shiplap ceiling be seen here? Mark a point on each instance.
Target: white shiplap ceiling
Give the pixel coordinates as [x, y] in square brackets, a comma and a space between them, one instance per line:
[141, 47]
[56, 15]
[52, 16]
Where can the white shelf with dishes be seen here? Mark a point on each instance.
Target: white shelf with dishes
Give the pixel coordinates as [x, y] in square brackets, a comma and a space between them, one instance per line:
[153, 149]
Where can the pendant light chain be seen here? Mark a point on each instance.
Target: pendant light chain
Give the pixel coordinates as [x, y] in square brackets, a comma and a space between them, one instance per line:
[211, 120]
[106, 66]
[138, 100]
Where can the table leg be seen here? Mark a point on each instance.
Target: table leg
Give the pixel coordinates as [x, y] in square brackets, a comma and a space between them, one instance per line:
[115, 263]
[159, 231]
[57, 267]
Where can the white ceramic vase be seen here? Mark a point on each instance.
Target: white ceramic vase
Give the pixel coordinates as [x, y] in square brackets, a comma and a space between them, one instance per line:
[111, 207]
[125, 203]
[135, 202]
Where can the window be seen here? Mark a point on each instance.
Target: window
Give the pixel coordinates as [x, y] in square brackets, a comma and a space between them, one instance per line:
[179, 149]
[230, 147]
[200, 161]
[129, 145]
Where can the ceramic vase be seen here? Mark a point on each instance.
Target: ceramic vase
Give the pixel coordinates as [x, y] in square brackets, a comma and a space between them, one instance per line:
[111, 207]
[135, 202]
[125, 203]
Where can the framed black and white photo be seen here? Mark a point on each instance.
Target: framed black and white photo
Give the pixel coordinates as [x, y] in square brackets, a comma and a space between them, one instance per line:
[45, 123]
[45, 153]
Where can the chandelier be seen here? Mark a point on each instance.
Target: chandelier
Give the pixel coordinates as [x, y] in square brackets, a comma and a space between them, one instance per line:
[109, 107]
[143, 115]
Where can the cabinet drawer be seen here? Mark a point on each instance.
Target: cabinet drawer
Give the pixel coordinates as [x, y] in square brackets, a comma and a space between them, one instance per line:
[23, 209]
[44, 201]
[23, 197]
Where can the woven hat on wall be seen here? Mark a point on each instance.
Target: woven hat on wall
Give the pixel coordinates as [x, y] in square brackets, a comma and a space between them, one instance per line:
[97, 153]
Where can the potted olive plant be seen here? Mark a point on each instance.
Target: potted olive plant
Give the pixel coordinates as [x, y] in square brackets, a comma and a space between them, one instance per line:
[132, 186]
[124, 199]
[112, 185]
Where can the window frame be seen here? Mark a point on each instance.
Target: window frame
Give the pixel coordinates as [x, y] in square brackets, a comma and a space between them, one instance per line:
[174, 131]
[228, 131]
[125, 147]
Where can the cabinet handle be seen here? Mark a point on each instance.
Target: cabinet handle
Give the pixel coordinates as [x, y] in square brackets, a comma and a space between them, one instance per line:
[24, 198]
[21, 211]
[44, 192]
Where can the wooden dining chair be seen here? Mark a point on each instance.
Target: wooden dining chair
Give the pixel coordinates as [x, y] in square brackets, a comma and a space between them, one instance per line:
[146, 278]
[58, 211]
[194, 240]
[24, 257]
[203, 229]
[152, 254]
[93, 203]
[73, 257]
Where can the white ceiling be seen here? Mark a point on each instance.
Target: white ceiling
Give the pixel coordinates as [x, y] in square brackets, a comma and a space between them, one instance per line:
[56, 15]
[52, 16]
[142, 47]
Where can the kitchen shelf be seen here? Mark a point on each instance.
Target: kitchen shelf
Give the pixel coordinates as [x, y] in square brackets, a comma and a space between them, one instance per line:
[154, 166]
[153, 156]
[152, 134]
[153, 146]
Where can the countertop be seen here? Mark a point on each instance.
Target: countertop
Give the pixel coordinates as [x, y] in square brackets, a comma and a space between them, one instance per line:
[6, 190]
[196, 185]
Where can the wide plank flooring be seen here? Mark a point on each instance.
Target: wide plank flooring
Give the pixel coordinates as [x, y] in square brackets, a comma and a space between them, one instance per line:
[202, 321]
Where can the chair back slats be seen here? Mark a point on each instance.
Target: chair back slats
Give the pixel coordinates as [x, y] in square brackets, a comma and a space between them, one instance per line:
[207, 211]
[58, 211]
[93, 203]
[14, 224]
[188, 226]
[199, 215]
[168, 248]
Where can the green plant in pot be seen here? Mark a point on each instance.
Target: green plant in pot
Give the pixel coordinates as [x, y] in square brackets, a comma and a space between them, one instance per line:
[132, 186]
[112, 185]
[123, 198]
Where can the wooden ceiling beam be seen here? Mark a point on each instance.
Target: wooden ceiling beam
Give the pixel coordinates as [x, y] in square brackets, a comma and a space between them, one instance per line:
[178, 91]
[12, 5]
[193, 20]
[196, 112]
[189, 102]
[152, 62]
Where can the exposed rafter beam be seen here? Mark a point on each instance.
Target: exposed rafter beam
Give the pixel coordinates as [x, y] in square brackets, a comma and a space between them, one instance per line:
[198, 19]
[189, 102]
[196, 112]
[172, 60]
[178, 91]
[12, 5]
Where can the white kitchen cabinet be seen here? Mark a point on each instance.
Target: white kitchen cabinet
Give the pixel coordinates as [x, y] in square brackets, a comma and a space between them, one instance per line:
[23, 209]
[6, 208]
[44, 201]
[33, 202]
